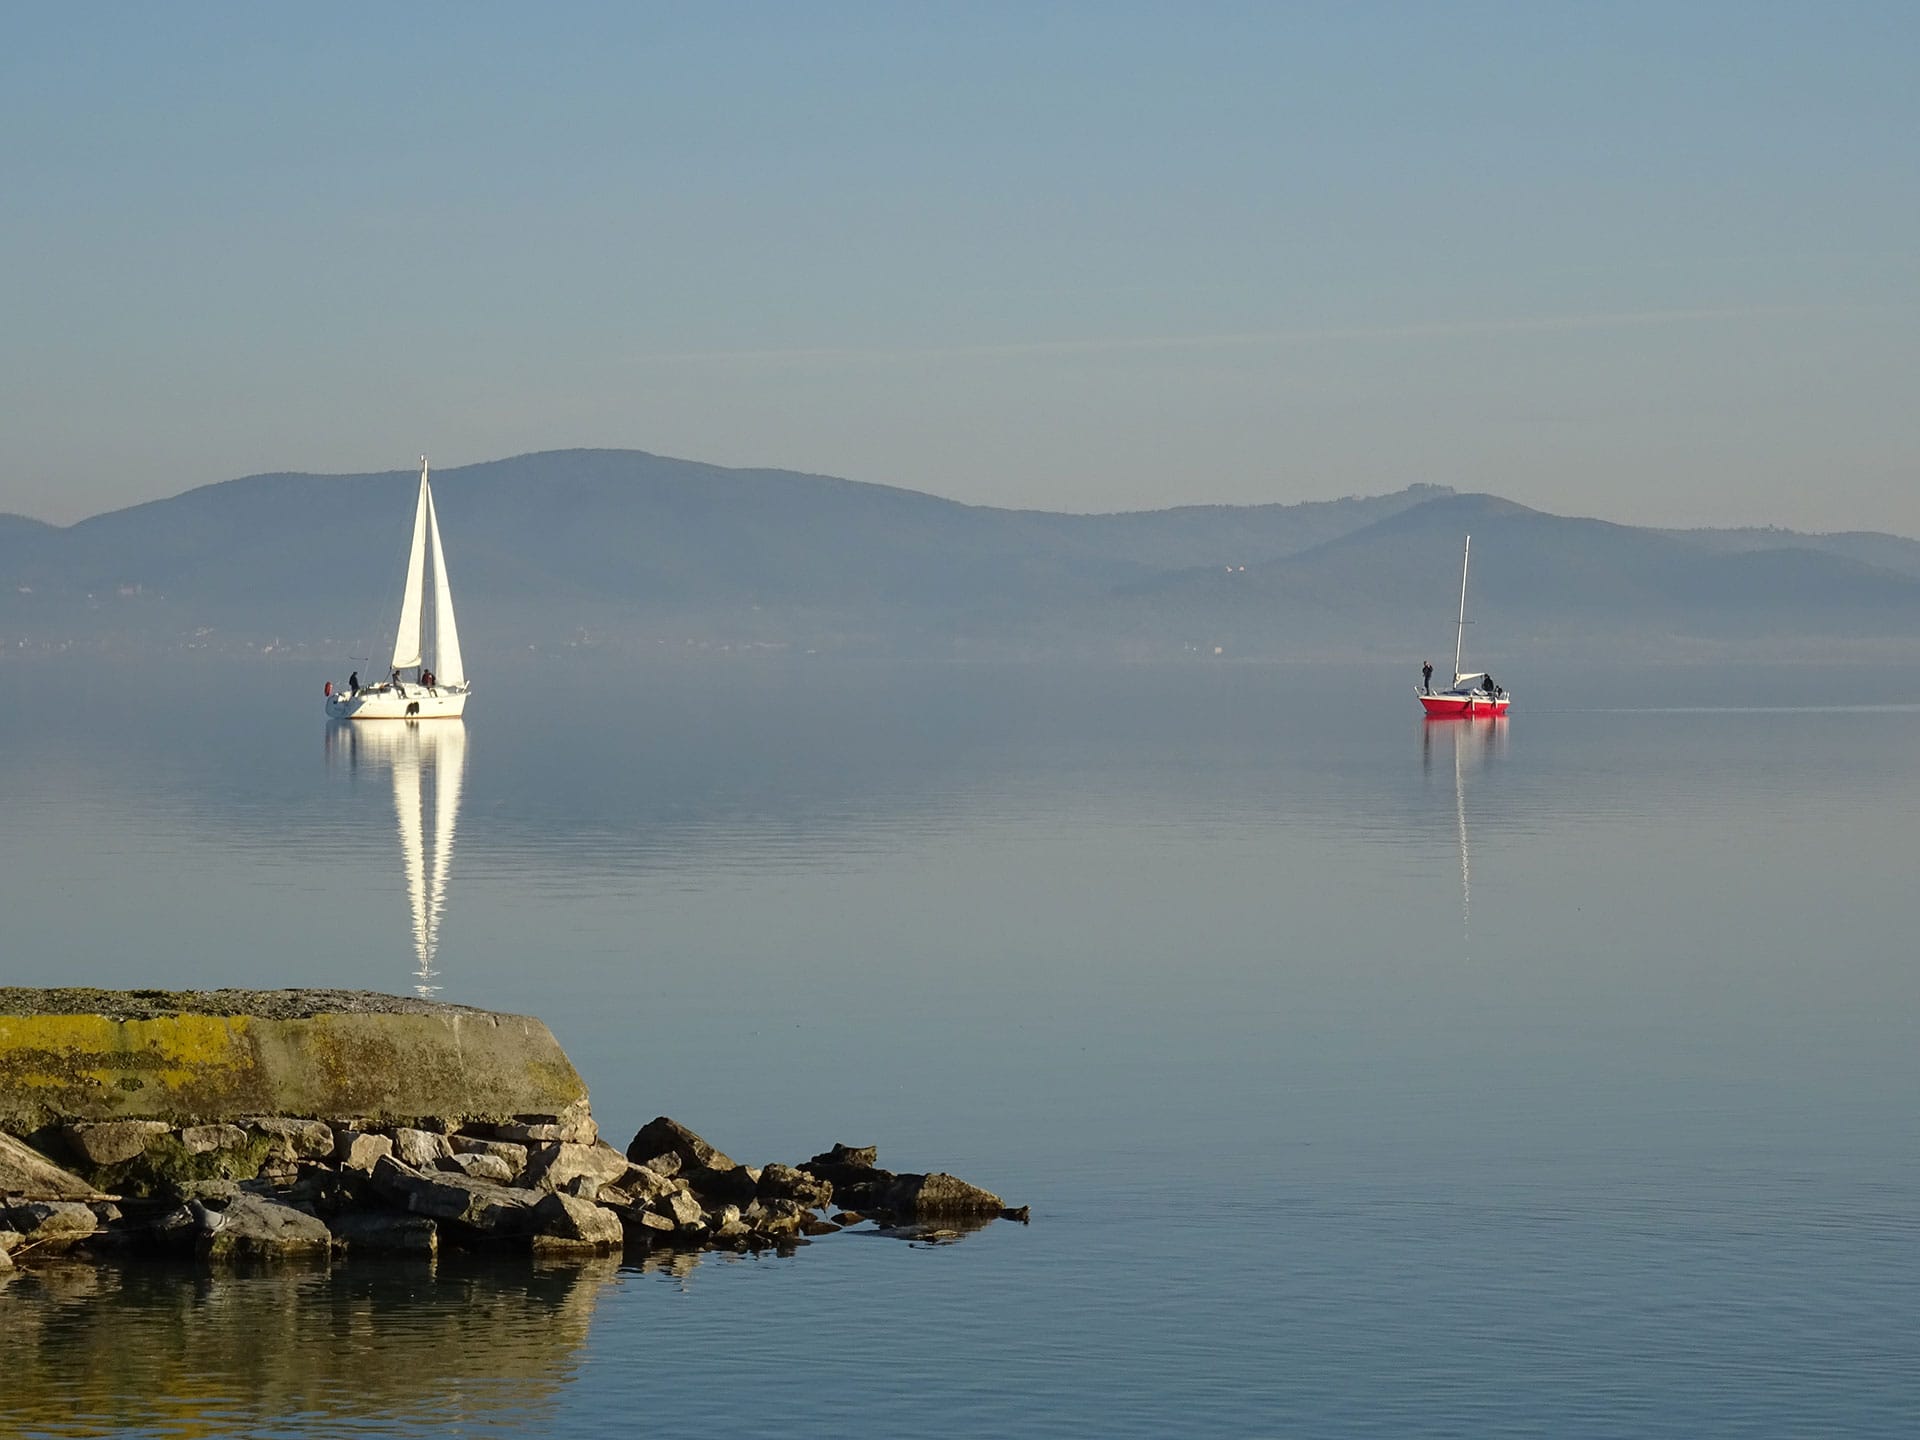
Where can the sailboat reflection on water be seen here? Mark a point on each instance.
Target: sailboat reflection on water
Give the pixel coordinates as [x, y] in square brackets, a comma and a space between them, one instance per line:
[1468, 751]
[428, 765]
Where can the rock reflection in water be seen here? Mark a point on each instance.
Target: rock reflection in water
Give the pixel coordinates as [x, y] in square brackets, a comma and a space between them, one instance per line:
[423, 756]
[393, 1348]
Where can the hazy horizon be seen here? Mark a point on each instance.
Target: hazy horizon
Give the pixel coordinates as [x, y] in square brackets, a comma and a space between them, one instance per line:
[1728, 523]
[1631, 261]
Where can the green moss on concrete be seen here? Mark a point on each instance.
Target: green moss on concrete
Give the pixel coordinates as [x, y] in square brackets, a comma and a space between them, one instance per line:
[205, 1056]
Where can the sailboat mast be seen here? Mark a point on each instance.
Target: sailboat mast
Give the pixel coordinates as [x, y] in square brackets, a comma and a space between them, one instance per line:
[1460, 631]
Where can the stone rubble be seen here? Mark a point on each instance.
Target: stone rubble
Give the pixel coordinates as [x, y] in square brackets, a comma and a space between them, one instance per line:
[294, 1187]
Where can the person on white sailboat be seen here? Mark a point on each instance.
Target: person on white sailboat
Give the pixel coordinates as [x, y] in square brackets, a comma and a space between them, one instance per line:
[1426, 678]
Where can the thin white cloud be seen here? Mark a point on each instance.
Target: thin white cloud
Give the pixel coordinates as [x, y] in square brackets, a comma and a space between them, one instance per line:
[1431, 330]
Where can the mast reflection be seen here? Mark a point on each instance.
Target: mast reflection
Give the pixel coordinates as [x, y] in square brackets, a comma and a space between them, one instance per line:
[1470, 748]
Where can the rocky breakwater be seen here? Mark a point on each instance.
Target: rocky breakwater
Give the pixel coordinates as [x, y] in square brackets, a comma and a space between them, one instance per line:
[276, 1125]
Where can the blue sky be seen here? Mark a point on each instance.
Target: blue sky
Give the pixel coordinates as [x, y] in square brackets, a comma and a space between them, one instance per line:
[1652, 262]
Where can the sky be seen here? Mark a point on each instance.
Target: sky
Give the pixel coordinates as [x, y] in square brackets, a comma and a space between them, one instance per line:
[1658, 263]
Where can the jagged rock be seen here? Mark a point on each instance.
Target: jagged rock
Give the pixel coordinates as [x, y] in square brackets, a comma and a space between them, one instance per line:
[777, 1216]
[112, 1142]
[856, 1180]
[732, 1186]
[553, 1167]
[661, 1135]
[479, 1165]
[52, 1220]
[648, 1222]
[643, 1182]
[489, 1208]
[572, 1126]
[255, 1227]
[10, 1240]
[514, 1156]
[860, 1157]
[358, 1150]
[6, 1262]
[29, 1175]
[299, 1139]
[1023, 1214]
[849, 1217]
[201, 1139]
[784, 1182]
[940, 1194]
[567, 1222]
[105, 1211]
[818, 1227]
[666, 1164]
[421, 1149]
[682, 1209]
[379, 1232]
[524, 1133]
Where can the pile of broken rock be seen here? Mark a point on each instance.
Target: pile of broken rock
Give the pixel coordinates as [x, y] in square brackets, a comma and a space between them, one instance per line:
[275, 1187]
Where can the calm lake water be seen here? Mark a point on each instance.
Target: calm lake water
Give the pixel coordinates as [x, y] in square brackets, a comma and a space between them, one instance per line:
[1364, 1076]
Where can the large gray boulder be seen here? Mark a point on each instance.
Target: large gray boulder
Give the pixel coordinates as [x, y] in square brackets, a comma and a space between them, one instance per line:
[784, 1182]
[681, 1208]
[940, 1194]
[111, 1142]
[298, 1139]
[422, 1149]
[570, 1223]
[26, 1174]
[52, 1221]
[360, 1150]
[256, 1227]
[661, 1136]
[514, 1156]
[478, 1165]
[478, 1204]
[555, 1167]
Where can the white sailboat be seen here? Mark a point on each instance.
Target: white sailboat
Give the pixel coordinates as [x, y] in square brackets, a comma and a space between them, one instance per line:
[414, 689]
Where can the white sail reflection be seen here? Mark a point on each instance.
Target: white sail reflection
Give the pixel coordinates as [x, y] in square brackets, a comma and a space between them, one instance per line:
[424, 759]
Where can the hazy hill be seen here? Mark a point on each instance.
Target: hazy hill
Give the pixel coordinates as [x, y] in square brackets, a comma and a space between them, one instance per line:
[1889, 552]
[1537, 580]
[646, 550]
[583, 535]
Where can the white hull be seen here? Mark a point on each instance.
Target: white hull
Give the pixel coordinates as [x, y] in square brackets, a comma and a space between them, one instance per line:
[405, 701]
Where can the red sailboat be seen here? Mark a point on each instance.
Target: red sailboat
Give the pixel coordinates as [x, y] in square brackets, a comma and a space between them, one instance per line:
[1471, 696]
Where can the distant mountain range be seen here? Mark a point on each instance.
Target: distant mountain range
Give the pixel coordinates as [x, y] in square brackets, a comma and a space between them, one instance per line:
[629, 549]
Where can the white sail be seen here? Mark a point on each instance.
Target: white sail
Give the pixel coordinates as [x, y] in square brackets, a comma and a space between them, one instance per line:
[447, 666]
[406, 641]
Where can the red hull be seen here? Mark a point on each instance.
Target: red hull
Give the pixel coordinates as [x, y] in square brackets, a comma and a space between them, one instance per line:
[1455, 707]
